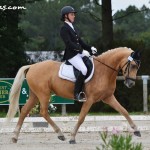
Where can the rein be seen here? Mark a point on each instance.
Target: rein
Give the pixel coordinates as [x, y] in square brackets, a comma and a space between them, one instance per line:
[106, 65]
[110, 66]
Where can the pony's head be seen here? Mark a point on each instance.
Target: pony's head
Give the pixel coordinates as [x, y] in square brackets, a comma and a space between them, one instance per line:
[130, 68]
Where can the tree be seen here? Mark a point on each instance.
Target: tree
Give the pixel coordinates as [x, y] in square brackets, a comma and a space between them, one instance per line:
[41, 23]
[12, 38]
[107, 24]
[42, 27]
[131, 26]
[106, 20]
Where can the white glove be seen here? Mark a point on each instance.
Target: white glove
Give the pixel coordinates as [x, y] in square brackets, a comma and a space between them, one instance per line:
[94, 50]
[86, 53]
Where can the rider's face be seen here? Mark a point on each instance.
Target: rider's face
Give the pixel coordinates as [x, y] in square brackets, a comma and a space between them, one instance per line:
[71, 17]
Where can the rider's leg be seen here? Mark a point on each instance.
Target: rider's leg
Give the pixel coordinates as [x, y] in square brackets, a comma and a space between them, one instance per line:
[78, 63]
[78, 90]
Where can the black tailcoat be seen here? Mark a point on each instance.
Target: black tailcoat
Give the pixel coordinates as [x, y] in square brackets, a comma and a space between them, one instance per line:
[74, 44]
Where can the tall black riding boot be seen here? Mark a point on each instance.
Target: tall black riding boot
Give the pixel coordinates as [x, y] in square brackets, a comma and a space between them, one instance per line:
[78, 93]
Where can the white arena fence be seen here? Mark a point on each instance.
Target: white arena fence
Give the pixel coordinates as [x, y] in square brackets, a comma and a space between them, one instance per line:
[91, 124]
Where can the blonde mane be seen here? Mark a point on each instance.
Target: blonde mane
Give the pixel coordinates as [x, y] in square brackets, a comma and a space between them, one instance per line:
[114, 51]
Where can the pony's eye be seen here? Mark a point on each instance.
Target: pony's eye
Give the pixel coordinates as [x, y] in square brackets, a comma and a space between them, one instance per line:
[134, 67]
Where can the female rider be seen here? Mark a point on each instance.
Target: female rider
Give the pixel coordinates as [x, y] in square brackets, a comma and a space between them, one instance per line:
[75, 49]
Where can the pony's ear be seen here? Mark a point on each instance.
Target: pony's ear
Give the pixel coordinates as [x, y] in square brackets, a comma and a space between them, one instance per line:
[136, 55]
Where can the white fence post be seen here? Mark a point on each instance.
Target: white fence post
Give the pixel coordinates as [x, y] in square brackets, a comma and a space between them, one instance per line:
[64, 113]
[145, 92]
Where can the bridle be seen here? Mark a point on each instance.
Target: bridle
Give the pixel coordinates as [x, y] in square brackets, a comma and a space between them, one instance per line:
[127, 69]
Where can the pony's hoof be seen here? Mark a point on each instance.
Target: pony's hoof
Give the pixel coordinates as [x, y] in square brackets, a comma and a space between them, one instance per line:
[137, 133]
[72, 142]
[14, 140]
[62, 138]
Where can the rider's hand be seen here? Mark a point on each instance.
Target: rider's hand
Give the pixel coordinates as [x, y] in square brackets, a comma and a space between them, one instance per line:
[94, 50]
[86, 53]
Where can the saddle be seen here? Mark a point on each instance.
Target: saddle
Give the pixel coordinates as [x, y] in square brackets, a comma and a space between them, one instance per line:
[69, 72]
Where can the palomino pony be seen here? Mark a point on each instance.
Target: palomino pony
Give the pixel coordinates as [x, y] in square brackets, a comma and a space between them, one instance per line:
[43, 79]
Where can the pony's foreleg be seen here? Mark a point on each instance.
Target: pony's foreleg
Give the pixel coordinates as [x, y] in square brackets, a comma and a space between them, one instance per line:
[44, 113]
[24, 112]
[116, 105]
[84, 110]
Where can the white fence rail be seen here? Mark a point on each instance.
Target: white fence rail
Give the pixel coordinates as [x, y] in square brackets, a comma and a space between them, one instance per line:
[91, 124]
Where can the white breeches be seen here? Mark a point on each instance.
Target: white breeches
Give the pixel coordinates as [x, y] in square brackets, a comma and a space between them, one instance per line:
[78, 63]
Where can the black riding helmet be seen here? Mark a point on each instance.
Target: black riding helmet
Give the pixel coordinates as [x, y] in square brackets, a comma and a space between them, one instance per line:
[66, 10]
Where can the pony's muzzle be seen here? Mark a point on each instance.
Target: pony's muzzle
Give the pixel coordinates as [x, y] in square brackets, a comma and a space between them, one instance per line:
[129, 82]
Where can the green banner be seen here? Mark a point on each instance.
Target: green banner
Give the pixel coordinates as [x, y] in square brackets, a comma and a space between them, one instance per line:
[60, 100]
[5, 86]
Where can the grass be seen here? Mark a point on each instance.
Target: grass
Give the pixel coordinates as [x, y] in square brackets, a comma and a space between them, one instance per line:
[2, 114]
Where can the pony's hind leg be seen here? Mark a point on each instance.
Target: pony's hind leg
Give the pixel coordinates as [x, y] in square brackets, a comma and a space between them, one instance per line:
[84, 110]
[116, 105]
[24, 112]
[44, 112]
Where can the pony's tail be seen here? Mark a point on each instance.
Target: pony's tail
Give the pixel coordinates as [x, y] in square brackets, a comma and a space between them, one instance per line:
[15, 93]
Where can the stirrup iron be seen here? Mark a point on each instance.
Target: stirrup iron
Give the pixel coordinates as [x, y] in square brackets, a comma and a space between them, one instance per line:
[81, 97]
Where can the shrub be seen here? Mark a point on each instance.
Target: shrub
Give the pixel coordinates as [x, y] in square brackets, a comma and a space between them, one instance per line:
[36, 109]
[118, 142]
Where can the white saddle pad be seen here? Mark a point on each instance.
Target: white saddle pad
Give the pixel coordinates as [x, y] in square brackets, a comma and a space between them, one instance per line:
[66, 72]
